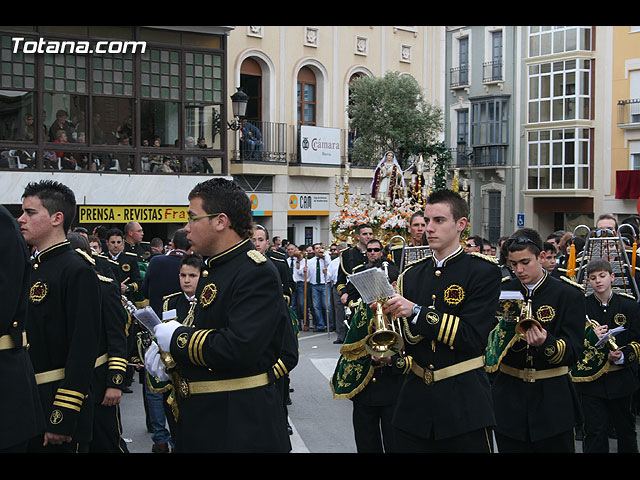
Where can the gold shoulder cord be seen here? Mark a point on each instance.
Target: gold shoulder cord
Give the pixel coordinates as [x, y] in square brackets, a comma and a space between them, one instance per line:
[409, 337]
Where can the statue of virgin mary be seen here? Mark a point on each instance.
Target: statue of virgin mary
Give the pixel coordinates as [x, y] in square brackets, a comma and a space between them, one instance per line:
[387, 177]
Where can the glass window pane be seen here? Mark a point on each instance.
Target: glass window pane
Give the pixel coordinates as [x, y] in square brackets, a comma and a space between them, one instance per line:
[112, 121]
[159, 121]
[17, 111]
[202, 126]
[66, 113]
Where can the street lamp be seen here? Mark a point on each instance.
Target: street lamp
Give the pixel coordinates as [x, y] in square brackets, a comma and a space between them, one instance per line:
[239, 102]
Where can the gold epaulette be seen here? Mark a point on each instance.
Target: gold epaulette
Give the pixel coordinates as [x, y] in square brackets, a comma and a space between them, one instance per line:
[256, 256]
[506, 279]
[86, 256]
[170, 295]
[623, 294]
[571, 282]
[277, 259]
[107, 258]
[396, 247]
[131, 253]
[488, 258]
[102, 278]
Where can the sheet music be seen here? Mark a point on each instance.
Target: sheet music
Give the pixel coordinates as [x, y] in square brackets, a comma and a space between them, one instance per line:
[372, 284]
[147, 317]
[610, 334]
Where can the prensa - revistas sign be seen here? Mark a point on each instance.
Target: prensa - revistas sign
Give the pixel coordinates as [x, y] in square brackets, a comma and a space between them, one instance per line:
[320, 145]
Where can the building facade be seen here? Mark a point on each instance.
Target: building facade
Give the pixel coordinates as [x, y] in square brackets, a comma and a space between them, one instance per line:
[297, 79]
[132, 131]
[620, 181]
[481, 123]
[115, 113]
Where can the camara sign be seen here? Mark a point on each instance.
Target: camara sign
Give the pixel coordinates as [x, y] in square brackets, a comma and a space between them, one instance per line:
[320, 145]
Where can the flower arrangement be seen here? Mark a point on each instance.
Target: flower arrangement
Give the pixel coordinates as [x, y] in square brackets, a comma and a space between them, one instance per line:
[386, 220]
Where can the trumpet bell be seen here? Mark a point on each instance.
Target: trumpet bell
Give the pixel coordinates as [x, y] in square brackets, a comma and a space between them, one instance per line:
[383, 343]
[525, 324]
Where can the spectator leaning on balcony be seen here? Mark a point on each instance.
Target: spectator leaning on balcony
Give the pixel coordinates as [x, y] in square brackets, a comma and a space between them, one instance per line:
[251, 140]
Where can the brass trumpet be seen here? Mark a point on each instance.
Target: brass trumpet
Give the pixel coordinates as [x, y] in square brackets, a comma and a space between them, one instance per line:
[526, 320]
[386, 339]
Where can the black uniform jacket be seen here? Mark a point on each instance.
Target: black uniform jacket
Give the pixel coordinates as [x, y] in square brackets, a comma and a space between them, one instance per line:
[619, 311]
[458, 301]
[547, 407]
[141, 249]
[22, 416]
[237, 333]
[128, 271]
[63, 330]
[349, 259]
[113, 340]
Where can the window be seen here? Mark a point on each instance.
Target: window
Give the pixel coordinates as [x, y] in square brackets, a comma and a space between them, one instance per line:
[463, 63]
[489, 122]
[17, 109]
[558, 159]
[634, 152]
[552, 40]
[494, 223]
[306, 97]
[98, 104]
[559, 91]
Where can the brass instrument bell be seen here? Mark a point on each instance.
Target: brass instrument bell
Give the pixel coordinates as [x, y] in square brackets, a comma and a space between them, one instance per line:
[386, 339]
[526, 320]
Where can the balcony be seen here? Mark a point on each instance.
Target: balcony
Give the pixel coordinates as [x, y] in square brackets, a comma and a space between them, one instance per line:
[492, 72]
[484, 156]
[629, 114]
[260, 141]
[459, 77]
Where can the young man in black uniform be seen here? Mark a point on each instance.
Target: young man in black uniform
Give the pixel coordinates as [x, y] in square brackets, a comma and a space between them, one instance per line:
[607, 377]
[108, 378]
[228, 401]
[372, 383]
[64, 320]
[129, 273]
[447, 302]
[20, 402]
[289, 355]
[535, 401]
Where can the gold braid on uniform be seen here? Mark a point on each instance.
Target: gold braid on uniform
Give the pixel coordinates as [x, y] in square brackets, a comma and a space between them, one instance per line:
[195, 347]
[408, 336]
[555, 353]
[488, 258]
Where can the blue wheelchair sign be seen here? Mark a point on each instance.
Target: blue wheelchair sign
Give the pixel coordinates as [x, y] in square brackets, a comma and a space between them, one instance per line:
[520, 220]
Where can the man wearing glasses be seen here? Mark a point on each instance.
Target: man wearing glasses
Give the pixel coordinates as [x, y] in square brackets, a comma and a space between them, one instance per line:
[535, 401]
[224, 378]
[474, 244]
[447, 303]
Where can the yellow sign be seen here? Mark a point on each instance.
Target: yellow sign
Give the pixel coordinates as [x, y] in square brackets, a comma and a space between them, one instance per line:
[123, 214]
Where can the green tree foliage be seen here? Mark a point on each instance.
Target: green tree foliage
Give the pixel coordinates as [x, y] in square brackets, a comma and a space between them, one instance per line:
[390, 113]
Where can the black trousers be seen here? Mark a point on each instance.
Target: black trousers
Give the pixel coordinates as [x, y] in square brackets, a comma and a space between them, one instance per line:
[599, 414]
[107, 431]
[561, 443]
[372, 428]
[476, 441]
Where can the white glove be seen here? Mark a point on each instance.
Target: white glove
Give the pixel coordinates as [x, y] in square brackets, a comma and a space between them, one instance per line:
[153, 363]
[164, 332]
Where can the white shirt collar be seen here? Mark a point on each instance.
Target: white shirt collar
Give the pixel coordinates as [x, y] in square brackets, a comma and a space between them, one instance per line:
[440, 263]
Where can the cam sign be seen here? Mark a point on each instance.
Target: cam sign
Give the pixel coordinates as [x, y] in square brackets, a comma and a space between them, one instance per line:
[320, 145]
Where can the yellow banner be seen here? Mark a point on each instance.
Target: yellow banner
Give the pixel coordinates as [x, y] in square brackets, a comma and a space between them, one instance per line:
[123, 214]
